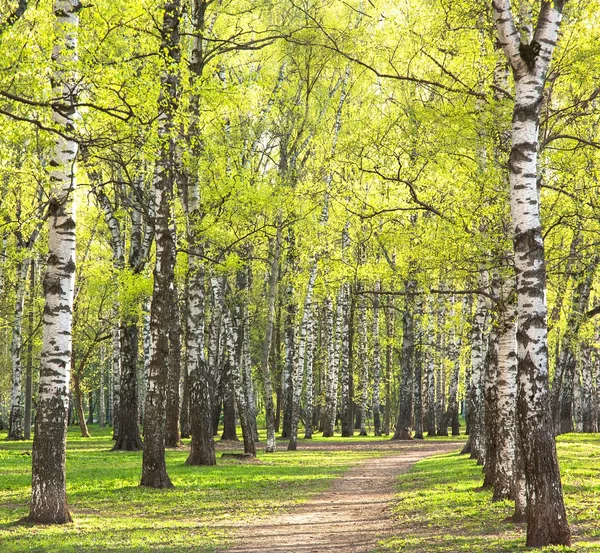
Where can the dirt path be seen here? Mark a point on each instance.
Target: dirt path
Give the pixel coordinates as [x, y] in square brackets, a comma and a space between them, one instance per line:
[350, 517]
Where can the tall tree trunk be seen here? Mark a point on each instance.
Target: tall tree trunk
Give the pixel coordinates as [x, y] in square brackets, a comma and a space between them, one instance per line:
[561, 397]
[546, 516]
[440, 380]
[387, 413]
[405, 409]
[267, 344]
[101, 391]
[154, 469]
[236, 376]
[202, 451]
[79, 405]
[300, 359]
[128, 438]
[587, 389]
[15, 421]
[311, 346]
[363, 362]
[476, 398]
[418, 364]
[172, 426]
[290, 352]
[331, 380]
[49, 497]
[345, 345]
[115, 390]
[490, 392]
[376, 363]
[29, 370]
[244, 362]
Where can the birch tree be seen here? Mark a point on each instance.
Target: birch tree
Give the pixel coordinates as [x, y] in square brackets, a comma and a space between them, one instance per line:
[48, 486]
[546, 517]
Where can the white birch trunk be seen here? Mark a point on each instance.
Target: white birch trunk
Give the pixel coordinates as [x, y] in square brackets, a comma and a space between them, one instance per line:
[363, 364]
[101, 391]
[546, 516]
[506, 384]
[311, 345]
[331, 381]
[15, 422]
[298, 370]
[376, 363]
[48, 498]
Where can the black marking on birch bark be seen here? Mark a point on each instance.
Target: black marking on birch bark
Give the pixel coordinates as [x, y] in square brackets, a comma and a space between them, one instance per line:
[529, 53]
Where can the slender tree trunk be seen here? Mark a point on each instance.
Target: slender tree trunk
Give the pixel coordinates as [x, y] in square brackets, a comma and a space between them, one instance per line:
[387, 414]
[172, 425]
[300, 359]
[79, 405]
[115, 389]
[49, 497]
[418, 364]
[404, 424]
[311, 346]
[129, 438]
[15, 421]
[236, 376]
[363, 363]
[440, 380]
[264, 365]
[490, 409]
[346, 335]
[561, 397]
[476, 399]
[331, 381]
[101, 390]
[376, 363]
[587, 390]
[29, 370]
[288, 370]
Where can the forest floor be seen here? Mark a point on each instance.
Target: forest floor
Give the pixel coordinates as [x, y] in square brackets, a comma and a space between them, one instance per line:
[347, 494]
[352, 516]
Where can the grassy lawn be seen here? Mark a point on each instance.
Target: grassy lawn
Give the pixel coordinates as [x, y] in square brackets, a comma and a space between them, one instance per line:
[438, 510]
[113, 514]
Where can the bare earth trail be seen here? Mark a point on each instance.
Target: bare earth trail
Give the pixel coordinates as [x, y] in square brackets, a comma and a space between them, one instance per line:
[350, 517]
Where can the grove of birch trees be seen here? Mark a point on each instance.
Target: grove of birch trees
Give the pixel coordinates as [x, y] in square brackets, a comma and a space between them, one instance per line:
[349, 217]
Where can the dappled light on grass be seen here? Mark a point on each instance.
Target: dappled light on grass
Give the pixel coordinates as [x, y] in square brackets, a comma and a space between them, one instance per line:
[439, 510]
[113, 514]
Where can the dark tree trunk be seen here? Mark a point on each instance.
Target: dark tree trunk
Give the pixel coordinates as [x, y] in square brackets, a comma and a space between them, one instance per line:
[90, 419]
[418, 397]
[184, 419]
[129, 438]
[79, 405]
[202, 451]
[229, 427]
[387, 415]
[347, 354]
[154, 468]
[405, 408]
[172, 428]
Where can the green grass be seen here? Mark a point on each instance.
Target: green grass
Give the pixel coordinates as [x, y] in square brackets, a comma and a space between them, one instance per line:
[438, 509]
[113, 514]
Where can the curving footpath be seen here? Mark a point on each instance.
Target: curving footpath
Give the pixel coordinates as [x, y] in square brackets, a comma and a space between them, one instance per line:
[350, 517]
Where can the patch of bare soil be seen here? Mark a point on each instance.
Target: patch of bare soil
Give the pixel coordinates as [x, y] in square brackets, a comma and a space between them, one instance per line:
[350, 517]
